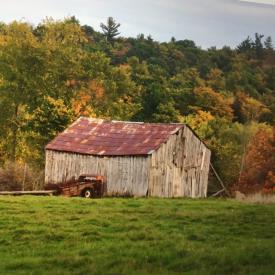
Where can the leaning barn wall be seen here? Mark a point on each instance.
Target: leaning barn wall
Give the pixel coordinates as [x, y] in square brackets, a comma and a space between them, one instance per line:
[124, 175]
[179, 168]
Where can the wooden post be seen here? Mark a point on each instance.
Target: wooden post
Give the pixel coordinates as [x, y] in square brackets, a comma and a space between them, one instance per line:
[24, 179]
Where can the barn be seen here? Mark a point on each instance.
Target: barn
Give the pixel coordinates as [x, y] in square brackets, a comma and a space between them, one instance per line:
[135, 158]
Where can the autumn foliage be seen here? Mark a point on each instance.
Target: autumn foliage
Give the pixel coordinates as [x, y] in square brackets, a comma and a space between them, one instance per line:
[259, 164]
[52, 73]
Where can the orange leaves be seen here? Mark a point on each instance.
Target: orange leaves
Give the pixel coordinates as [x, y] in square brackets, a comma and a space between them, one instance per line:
[248, 108]
[80, 105]
[269, 185]
[121, 51]
[209, 100]
[88, 97]
[258, 173]
[96, 88]
[216, 79]
[196, 121]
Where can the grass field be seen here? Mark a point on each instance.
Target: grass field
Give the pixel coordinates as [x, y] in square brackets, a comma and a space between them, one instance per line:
[54, 235]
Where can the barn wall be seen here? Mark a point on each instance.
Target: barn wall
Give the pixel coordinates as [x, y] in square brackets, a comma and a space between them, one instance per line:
[179, 168]
[124, 175]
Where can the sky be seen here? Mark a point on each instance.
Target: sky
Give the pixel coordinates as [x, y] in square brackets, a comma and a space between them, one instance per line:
[207, 22]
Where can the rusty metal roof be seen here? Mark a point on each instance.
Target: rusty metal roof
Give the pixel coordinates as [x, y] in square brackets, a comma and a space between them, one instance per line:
[112, 138]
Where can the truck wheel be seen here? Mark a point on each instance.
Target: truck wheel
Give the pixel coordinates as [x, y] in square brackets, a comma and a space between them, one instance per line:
[87, 193]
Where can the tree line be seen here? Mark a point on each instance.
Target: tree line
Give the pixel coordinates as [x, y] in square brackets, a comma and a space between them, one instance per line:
[52, 73]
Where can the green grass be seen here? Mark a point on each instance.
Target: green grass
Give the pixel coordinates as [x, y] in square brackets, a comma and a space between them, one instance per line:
[55, 235]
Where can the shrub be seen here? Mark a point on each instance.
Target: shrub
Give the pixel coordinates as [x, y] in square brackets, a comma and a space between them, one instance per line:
[16, 176]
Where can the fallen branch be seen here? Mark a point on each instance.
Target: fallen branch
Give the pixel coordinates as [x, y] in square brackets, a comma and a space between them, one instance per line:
[219, 179]
[217, 193]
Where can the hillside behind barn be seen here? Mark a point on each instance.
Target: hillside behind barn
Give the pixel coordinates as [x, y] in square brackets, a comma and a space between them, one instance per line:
[57, 71]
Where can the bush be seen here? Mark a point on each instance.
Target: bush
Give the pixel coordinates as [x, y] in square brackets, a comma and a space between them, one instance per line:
[19, 176]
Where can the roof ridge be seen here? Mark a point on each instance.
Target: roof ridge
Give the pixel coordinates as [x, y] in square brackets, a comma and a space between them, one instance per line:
[130, 122]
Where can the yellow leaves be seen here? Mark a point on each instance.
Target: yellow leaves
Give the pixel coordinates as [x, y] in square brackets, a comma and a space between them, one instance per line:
[216, 80]
[18, 33]
[81, 105]
[250, 108]
[255, 107]
[97, 88]
[62, 32]
[57, 103]
[214, 102]
[197, 120]
[1, 80]
[204, 116]
[125, 68]
[124, 108]
[52, 107]
[3, 41]
[215, 73]
[86, 99]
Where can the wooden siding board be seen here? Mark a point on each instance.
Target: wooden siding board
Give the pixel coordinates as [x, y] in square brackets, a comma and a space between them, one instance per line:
[179, 168]
[124, 175]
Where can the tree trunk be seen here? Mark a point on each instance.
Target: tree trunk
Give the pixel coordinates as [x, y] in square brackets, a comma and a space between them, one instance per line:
[14, 134]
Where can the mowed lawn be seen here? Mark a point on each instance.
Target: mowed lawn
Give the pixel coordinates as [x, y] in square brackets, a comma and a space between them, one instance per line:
[55, 235]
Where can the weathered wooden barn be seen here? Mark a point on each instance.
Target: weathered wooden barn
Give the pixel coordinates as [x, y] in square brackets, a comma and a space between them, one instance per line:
[140, 159]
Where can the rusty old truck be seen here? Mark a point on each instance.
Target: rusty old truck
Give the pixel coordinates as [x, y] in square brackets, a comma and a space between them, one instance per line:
[87, 186]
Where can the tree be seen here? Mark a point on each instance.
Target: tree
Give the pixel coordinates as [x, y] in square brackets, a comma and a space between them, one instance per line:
[206, 99]
[166, 113]
[248, 109]
[110, 30]
[186, 43]
[35, 66]
[245, 46]
[224, 138]
[173, 39]
[258, 45]
[259, 162]
[20, 62]
[216, 80]
[89, 31]
[268, 43]
[72, 19]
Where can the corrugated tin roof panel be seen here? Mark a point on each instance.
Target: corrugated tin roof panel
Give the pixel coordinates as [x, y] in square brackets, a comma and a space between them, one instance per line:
[112, 138]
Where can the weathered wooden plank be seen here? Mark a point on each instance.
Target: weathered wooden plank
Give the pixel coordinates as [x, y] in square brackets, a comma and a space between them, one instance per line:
[124, 175]
[42, 192]
[180, 167]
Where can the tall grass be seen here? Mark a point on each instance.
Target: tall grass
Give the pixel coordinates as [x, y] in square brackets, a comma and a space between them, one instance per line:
[258, 197]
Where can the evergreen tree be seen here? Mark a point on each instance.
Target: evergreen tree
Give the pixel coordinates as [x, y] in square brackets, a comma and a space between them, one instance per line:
[258, 45]
[110, 30]
[245, 46]
[268, 43]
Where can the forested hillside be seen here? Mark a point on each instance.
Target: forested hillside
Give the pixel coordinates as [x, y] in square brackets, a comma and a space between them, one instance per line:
[53, 73]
